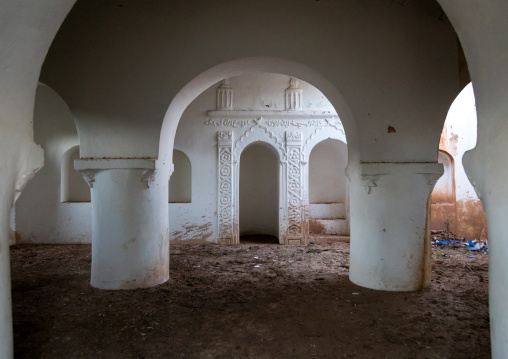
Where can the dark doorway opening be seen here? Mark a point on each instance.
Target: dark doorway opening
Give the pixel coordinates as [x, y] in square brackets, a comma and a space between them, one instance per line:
[258, 239]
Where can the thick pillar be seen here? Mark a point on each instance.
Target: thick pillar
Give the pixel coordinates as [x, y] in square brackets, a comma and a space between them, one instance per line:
[130, 238]
[486, 167]
[6, 337]
[388, 225]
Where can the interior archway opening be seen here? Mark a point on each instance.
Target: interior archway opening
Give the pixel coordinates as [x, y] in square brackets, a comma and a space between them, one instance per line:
[328, 189]
[259, 194]
[288, 115]
[456, 210]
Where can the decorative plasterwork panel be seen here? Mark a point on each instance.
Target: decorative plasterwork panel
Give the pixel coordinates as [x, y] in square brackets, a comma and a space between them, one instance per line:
[324, 118]
[317, 136]
[225, 96]
[294, 185]
[225, 187]
[258, 125]
[294, 96]
[226, 122]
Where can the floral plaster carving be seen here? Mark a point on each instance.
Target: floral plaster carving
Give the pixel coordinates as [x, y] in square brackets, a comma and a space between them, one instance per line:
[225, 187]
[225, 122]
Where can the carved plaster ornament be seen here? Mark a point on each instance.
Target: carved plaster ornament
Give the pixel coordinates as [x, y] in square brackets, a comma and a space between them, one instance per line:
[293, 135]
[294, 96]
[148, 176]
[89, 176]
[225, 135]
[225, 96]
[370, 181]
[298, 123]
[225, 188]
[294, 184]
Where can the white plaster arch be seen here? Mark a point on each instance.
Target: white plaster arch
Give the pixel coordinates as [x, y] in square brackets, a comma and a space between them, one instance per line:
[319, 136]
[248, 65]
[265, 135]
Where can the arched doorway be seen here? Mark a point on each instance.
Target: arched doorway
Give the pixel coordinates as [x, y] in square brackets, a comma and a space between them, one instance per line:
[259, 194]
[328, 189]
[456, 207]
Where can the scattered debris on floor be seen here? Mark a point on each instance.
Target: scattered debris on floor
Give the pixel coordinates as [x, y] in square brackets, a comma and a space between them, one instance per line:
[443, 238]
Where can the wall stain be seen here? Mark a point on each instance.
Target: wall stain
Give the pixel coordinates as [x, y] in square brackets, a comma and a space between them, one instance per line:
[195, 232]
[452, 144]
[125, 246]
[316, 227]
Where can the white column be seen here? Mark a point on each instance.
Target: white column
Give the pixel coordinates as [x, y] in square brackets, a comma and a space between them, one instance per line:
[496, 206]
[485, 166]
[388, 225]
[130, 237]
[6, 338]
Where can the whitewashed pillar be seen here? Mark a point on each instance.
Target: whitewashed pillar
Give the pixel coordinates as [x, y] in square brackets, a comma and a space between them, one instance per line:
[6, 335]
[295, 232]
[130, 236]
[388, 225]
[225, 212]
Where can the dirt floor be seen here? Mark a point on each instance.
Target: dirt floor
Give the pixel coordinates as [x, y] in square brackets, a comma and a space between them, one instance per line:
[247, 301]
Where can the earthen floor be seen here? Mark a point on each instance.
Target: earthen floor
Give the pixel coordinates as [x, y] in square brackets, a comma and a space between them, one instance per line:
[246, 301]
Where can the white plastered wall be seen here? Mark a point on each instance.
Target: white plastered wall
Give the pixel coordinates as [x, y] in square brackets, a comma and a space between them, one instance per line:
[41, 217]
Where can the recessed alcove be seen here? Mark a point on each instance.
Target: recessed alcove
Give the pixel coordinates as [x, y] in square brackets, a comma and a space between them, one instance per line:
[73, 187]
[259, 190]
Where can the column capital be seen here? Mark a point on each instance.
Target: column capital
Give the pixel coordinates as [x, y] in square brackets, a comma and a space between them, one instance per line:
[90, 167]
[371, 172]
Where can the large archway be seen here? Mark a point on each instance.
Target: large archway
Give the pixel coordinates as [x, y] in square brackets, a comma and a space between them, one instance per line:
[249, 65]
